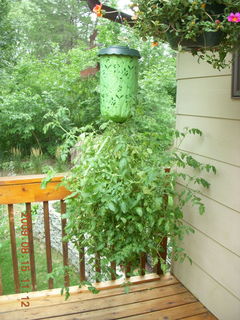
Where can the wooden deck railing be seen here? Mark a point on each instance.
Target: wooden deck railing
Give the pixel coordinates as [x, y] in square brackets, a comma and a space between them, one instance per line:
[27, 189]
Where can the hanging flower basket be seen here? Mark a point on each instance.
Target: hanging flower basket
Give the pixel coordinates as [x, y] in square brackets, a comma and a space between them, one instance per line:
[208, 28]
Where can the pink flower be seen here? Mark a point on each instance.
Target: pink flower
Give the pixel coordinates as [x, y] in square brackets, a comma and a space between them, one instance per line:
[234, 17]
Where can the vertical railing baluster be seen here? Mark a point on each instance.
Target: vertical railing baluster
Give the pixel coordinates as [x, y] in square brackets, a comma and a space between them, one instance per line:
[64, 244]
[82, 265]
[48, 241]
[157, 268]
[143, 258]
[127, 270]
[31, 245]
[97, 266]
[161, 255]
[13, 248]
[113, 270]
[164, 246]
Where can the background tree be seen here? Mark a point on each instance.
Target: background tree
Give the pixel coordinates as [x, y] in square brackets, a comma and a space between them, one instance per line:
[7, 35]
[42, 25]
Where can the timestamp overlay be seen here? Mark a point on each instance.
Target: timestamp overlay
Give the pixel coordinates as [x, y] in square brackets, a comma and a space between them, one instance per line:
[25, 281]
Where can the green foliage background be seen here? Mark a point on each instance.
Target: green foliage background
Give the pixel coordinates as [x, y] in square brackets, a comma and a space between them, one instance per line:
[50, 44]
[7, 35]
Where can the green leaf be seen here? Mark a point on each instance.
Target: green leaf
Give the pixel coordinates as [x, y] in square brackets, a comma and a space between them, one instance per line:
[170, 201]
[46, 180]
[124, 220]
[72, 195]
[201, 209]
[122, 163]
[158, 202]
[67, 294]
[139, 211]
[50, 276]
[194, 130]
[93, 290]
[112, 206]
[126, 289]
[146, 190]
[123, 207]
[140, 227]
[167, 226]
[160, 221]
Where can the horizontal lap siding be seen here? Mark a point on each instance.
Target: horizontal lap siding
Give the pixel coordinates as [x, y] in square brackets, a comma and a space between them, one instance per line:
[188, 67]
[225, 221]
[216, 260]
[204, 102]
[220, 140]
[215, 102]
[210, 292]
[225, 185]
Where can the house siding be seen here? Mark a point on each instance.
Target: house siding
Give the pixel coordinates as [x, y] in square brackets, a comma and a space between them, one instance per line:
[204, 102]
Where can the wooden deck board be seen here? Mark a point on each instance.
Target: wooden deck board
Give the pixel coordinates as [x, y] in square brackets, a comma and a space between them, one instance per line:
[173, 313]
[163, 298]
[203, 316]
[8, 304]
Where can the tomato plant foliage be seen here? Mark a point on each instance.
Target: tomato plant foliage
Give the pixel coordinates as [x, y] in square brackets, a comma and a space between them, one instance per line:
[124, 201]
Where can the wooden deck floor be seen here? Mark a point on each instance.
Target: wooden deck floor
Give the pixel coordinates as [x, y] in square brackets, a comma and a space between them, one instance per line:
[149, 298]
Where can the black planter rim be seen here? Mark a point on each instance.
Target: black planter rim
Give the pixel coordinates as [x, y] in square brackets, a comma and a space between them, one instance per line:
[205, 40]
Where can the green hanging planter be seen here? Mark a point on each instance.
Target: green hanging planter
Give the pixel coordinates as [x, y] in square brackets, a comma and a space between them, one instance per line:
[118, 82]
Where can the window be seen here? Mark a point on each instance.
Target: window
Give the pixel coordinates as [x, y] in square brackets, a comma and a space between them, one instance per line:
[236, 75]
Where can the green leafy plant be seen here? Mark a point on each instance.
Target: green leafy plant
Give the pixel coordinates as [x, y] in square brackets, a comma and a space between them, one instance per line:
[37, 89]
[125, 199]
[186, 22]
[7, 36]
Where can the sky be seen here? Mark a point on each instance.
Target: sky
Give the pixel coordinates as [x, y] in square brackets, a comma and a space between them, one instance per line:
[122, 4]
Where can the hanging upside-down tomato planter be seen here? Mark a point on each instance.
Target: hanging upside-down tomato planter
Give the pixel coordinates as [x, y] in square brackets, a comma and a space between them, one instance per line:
[118, 82]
